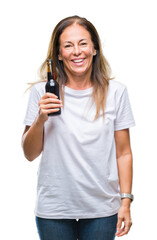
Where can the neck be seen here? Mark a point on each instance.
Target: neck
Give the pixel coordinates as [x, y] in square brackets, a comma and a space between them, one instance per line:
[79, 82]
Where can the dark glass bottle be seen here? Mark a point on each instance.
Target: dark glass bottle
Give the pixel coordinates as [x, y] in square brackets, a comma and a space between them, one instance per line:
[51, 85]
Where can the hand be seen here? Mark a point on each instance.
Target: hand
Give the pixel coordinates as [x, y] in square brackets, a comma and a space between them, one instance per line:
[123, 216]
[49, 103]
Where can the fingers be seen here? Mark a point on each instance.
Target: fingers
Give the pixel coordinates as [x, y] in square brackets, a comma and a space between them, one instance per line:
[122, 231]
[119, 225]
[49, 103]
[49, 111]
[49, 100]
[48, 94]
[49, 108]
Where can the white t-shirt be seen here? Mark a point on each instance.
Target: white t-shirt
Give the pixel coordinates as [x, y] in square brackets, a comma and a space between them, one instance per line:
[77, 176]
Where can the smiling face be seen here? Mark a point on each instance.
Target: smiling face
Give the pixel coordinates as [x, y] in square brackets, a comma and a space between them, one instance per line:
[76, 51]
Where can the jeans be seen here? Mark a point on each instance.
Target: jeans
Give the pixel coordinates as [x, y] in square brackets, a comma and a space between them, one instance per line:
[83, 229]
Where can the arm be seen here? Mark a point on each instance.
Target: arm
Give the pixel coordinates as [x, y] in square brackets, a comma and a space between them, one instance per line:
[32, 139]
[124, 163]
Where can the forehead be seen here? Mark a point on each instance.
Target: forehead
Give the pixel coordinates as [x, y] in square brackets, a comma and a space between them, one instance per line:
[74, 32]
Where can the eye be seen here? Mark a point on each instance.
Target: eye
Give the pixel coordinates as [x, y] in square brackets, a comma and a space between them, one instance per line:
[67, 46]
[83, 43]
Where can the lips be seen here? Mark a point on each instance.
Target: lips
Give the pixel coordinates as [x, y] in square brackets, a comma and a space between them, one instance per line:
[80, 60]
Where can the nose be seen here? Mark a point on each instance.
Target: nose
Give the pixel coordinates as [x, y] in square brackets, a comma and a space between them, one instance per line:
[76, 50]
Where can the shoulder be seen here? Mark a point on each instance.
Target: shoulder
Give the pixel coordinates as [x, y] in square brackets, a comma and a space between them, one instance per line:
[116, 91]
[116, 88]
[116, 85]
[38, 88]
[39, 85]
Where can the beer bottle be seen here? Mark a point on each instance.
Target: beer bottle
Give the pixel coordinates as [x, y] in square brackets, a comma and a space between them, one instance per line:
[51, 85]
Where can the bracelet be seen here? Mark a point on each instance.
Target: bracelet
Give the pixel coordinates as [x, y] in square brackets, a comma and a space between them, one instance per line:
[127, 195]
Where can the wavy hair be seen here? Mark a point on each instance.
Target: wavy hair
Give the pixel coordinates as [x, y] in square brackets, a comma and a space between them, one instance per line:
[101, 71]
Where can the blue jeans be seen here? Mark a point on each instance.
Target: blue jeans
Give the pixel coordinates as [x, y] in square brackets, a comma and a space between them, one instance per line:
[84, 229]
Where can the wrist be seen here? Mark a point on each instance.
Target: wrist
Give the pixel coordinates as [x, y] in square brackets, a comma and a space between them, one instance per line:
[127, 195]
[40, 120]
[125, 202]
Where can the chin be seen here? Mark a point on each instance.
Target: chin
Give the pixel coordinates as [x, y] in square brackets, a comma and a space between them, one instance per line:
[81, 72]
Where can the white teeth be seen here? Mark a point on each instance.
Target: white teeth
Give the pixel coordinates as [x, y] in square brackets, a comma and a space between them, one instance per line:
[78, 60]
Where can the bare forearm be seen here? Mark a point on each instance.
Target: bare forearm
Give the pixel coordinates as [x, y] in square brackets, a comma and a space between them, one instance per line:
[32, 140]
[124, 163]
[125, 170]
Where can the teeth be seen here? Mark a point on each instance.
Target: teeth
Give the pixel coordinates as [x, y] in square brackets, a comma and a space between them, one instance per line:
[78, 60]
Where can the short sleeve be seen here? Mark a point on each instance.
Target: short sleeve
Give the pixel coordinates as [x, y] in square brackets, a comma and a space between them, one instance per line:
[124, 116]
[32, 108]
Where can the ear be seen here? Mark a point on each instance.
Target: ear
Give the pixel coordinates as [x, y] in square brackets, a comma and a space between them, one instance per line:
[60, 57]
[94, 52]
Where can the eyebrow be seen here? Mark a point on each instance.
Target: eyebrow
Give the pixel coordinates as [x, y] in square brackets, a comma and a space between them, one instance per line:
[83, 39]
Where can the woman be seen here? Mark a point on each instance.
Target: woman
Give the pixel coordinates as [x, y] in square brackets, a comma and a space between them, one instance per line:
[85, 173]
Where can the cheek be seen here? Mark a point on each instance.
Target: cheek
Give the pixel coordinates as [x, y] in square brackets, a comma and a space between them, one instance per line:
[90, 52]
[64, 54]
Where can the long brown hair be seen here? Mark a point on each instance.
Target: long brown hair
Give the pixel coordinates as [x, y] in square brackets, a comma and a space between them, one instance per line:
[101, 71]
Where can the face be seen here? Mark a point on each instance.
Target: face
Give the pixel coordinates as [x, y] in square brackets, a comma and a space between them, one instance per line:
[76, 51]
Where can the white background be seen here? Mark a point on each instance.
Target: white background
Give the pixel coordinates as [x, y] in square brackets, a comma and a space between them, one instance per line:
[128, 32]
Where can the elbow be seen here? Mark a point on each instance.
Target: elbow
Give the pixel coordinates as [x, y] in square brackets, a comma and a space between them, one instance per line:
[126, 157]
[29, 158]
[29, 154]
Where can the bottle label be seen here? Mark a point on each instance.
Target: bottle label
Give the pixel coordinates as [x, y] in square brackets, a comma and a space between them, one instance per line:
[52, 83]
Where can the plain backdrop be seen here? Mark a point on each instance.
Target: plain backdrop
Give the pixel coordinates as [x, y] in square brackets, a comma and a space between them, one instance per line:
[128, 33]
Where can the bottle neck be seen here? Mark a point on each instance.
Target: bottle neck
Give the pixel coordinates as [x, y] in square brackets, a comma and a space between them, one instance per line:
[50, 74]
[49, 67]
